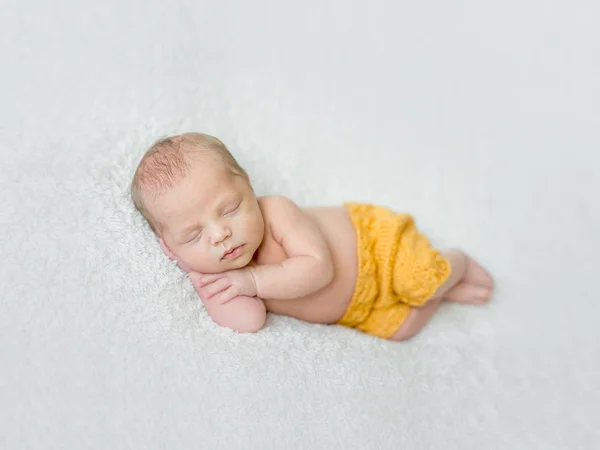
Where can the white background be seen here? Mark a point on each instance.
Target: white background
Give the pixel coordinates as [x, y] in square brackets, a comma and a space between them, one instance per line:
[479, 118]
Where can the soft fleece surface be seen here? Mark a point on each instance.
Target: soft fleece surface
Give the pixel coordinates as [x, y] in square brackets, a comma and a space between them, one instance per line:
[481, 119]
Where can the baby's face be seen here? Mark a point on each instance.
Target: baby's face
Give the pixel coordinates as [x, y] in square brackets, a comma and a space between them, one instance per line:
[211, 220]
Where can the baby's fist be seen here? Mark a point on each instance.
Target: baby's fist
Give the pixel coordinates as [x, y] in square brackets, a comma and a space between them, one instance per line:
[224, 286]
[241, 283]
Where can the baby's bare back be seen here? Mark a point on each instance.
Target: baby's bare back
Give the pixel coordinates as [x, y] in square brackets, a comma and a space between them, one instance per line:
[328, 304]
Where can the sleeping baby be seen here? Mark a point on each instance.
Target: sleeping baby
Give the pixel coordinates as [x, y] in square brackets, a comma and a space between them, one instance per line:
[357, 265]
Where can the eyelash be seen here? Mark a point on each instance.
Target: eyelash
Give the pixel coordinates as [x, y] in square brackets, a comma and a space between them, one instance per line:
[232, 210]
[195, 238]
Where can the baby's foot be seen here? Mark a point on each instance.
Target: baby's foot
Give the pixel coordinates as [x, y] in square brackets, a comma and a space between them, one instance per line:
[465, 292]
[477, 275]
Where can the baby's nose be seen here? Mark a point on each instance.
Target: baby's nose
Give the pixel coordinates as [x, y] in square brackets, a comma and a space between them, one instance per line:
[219, 235]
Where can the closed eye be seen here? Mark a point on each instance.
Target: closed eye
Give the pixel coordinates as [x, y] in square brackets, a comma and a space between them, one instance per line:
[232, 209]
[195, 238]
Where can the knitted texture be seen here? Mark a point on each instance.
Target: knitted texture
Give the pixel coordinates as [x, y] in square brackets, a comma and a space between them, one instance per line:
[397, 269]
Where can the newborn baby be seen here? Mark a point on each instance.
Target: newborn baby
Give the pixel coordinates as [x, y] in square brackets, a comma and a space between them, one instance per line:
[358, 265]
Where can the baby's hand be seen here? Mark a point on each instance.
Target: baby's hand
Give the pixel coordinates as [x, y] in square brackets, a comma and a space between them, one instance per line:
[222, 287]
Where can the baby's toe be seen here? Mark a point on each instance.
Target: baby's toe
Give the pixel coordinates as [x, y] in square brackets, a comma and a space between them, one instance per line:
[483, 294]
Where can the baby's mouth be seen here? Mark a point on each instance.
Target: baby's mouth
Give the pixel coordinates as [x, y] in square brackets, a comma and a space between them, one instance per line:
[233, 253]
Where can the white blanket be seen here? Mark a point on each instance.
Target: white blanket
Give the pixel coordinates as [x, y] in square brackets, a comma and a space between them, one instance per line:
[480, 119]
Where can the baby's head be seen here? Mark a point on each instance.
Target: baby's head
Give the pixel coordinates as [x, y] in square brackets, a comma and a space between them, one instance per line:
[199, 202]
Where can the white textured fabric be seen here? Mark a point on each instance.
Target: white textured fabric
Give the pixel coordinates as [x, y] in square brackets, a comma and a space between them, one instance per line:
[480, 118]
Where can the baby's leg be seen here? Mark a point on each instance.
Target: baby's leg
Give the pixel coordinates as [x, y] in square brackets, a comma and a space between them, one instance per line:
[416, 320]
[467, 283]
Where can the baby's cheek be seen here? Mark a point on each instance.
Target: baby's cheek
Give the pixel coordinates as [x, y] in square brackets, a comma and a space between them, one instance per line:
[187, 257]
[195, 259]
[183, 266]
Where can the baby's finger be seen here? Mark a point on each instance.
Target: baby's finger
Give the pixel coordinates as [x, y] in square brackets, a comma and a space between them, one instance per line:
[216, 287]
[226, 295]
[203, 280]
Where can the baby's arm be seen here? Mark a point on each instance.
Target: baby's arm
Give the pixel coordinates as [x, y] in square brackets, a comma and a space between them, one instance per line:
[242, 313]
[309, 266]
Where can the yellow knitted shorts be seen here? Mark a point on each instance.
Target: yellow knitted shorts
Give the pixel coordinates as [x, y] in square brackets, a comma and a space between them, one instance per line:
[397, 269]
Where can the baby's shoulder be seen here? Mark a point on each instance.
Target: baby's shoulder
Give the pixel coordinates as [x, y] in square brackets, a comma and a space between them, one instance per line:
[278, 212]
[273, 201]
[276, 205]
[282, 205]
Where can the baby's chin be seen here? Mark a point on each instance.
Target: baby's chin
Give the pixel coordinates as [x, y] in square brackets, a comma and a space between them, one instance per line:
[238, 263]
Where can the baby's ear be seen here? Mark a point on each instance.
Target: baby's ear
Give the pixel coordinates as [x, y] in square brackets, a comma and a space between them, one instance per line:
[165, 249]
